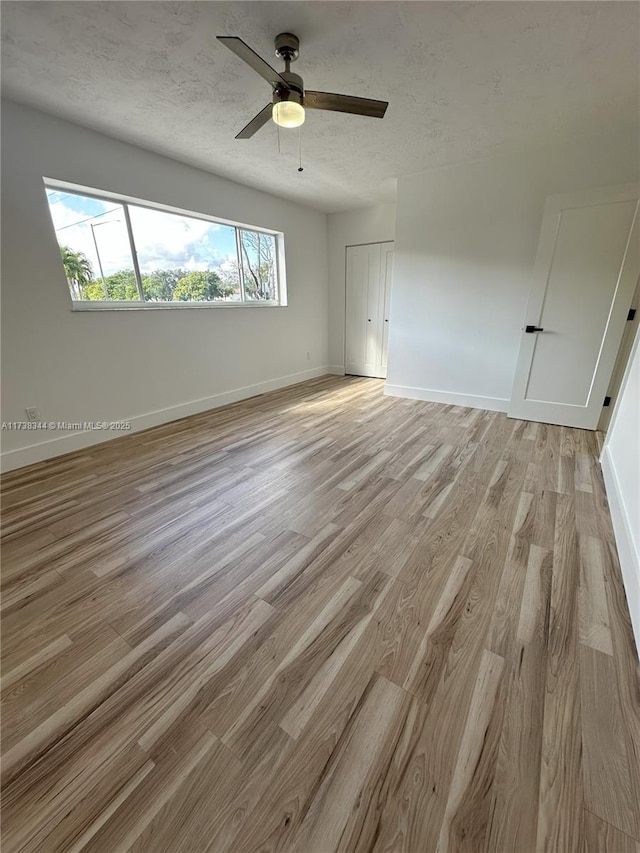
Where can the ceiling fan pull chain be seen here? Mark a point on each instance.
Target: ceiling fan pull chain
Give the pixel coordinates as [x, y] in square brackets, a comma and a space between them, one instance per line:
[300, 169]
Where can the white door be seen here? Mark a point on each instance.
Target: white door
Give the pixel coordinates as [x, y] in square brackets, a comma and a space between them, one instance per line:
[585, 273]
[368, 279]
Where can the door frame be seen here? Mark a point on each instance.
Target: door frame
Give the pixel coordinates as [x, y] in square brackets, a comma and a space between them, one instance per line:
[622, 359]
[552, 215]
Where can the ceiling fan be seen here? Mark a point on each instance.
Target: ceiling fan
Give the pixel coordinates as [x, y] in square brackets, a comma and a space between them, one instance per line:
[289, 96]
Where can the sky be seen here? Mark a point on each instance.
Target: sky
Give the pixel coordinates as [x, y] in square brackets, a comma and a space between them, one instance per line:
[163, 240]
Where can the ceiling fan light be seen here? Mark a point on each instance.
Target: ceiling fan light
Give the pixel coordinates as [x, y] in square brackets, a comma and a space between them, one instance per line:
[288, 114]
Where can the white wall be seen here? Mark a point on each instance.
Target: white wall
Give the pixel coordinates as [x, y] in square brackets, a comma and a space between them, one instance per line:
[466, 238]
[148, 365]
[621, 469]
[351, 228]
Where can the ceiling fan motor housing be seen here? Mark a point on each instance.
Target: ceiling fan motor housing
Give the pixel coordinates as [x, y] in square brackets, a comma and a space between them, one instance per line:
[281, 94]
[292, 92]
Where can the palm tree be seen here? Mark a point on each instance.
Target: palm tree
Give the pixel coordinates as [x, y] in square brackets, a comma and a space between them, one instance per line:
[78, 270]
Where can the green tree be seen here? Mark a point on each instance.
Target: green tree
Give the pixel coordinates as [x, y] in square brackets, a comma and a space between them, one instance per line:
[77, 268]
[121, 286]
[94, 292]
[157, 286]
[201, 286]
[160, 285]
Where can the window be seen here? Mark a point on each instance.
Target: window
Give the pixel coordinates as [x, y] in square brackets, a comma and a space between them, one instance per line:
[117, 253]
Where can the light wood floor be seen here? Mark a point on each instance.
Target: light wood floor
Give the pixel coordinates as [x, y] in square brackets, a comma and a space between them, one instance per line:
[319, 620]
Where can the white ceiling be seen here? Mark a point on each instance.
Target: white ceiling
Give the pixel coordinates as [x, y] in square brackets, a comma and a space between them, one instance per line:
[464, 80]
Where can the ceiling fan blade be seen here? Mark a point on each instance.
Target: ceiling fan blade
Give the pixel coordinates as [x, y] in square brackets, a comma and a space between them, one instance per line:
[242, 50]
[345, 104]
[256, 123]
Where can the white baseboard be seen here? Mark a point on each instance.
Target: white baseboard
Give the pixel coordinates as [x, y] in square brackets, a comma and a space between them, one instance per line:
[492, 404]
[336, 370]
[627, 553]
[22, 456]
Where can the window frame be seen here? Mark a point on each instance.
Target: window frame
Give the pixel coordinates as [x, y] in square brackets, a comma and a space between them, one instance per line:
[141, 304]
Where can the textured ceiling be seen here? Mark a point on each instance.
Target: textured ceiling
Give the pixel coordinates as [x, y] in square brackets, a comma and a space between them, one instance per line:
[464, 80]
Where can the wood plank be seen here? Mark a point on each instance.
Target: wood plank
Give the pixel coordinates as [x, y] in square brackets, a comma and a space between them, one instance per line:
[461, 828]
[514, 809]
[343, 804]
[608, 782]
[601, 837]
[594, 610]
[561, 799]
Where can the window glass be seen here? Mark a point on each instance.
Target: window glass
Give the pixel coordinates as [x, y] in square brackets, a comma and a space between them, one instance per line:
[115, 251]
[94, 245]
[258, 255]
[183, 259]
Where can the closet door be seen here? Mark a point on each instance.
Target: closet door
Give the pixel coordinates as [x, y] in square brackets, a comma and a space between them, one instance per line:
[386, 274]
[364, 310]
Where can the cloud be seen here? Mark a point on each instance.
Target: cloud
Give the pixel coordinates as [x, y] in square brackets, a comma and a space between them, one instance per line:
[163, 241]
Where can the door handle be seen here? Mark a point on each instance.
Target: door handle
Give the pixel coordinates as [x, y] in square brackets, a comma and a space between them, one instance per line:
[368, 319]
[531, 329]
